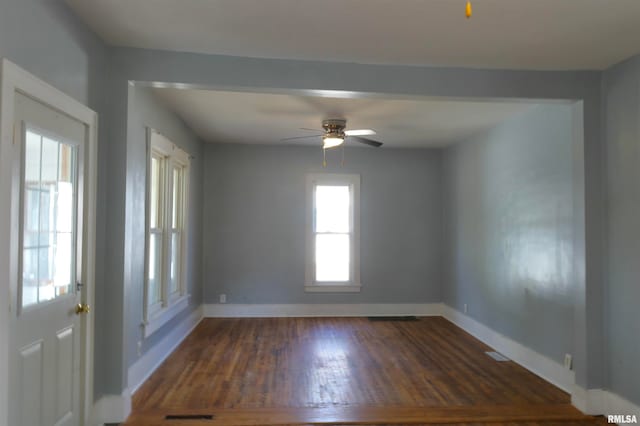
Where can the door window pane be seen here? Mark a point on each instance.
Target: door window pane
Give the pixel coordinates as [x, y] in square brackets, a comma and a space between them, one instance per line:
[62, 274]
[46, 290]
[49, 162]
[332, 257]
[29, 276]
[49, 217]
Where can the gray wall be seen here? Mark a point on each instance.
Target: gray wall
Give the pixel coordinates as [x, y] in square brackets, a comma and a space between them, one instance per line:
[254, 232]
[509, 232]
[145, 110]
[622, 114]
[46, 39]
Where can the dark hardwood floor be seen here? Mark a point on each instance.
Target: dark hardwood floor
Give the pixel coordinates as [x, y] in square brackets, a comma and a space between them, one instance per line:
[344, 371]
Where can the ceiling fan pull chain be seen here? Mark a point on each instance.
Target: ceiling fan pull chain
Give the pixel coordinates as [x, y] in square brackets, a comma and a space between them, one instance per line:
[468, 9]
[324, 157]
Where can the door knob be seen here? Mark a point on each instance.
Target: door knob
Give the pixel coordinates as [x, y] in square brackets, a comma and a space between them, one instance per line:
[82, 308]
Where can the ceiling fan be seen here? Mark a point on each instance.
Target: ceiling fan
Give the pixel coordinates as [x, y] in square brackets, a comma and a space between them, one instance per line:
[334, 134]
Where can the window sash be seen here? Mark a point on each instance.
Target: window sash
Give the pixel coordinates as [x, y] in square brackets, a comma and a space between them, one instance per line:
[156, 201]
[175, 264]
[349, 259]
[316, 233]
[151, 301]
[353, 183]
[168, 205]
[317, 209]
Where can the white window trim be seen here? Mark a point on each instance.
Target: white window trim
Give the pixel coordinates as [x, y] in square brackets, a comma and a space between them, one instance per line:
[354, 285]
[172, 303]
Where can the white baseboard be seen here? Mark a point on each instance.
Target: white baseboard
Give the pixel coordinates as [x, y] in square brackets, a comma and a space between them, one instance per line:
[147, 364]
[588, 401]
[615, 404]
[112, 408]
[602, 402]
[218, 310]
[548, 369]
[116, 408]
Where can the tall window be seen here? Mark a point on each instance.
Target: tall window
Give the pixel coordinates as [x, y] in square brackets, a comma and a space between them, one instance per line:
[167, 181]
[333, 233]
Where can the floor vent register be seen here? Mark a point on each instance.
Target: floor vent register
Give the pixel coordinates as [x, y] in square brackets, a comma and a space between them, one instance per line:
[189, 417]
[403, 318]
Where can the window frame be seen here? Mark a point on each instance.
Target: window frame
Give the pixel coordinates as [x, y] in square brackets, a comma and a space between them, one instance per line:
[76, 224]
[170, 158]
[333, 179]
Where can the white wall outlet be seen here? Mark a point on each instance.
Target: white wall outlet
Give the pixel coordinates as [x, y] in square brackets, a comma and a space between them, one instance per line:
[568, 361]
[139, 347]
[466, 308]
[223, 298]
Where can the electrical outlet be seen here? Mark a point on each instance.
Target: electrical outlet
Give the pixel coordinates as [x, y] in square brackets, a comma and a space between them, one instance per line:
[223, 298]
[568, 361]
[466, 308]
[139, 347]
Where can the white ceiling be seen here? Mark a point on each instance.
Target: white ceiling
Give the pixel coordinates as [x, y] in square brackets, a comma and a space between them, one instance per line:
[262, 118]
[518, 34]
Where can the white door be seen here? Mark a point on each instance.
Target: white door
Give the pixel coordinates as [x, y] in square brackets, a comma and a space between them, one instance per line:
[46, 343]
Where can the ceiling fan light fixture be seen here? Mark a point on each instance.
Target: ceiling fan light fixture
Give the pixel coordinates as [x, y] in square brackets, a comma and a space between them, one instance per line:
[331, 141]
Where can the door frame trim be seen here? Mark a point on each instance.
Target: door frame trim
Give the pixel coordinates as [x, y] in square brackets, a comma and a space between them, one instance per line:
[12, 79]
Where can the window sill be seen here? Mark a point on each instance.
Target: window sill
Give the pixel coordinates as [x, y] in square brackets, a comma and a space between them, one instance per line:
[332, 288]
[164, 315]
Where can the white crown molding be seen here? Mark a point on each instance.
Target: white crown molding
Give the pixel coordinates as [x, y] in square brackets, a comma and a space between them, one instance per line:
[147, 363]
[542, 366]
[219, 310]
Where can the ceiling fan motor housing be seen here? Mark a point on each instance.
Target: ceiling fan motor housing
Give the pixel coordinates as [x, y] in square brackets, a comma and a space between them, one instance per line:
[334, 128]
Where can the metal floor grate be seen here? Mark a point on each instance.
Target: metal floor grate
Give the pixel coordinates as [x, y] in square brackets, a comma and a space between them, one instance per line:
[189, 417]
[403, 318]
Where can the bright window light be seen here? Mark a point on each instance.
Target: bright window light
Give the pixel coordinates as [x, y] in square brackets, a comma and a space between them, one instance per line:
[332, 233]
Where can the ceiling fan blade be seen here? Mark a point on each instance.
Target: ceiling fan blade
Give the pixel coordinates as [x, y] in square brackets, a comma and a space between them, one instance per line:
[311, 130]
[360, 132]
[300, 137]
[365, 141]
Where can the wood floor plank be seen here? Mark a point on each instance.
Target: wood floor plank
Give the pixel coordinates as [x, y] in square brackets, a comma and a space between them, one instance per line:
[239, 368]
